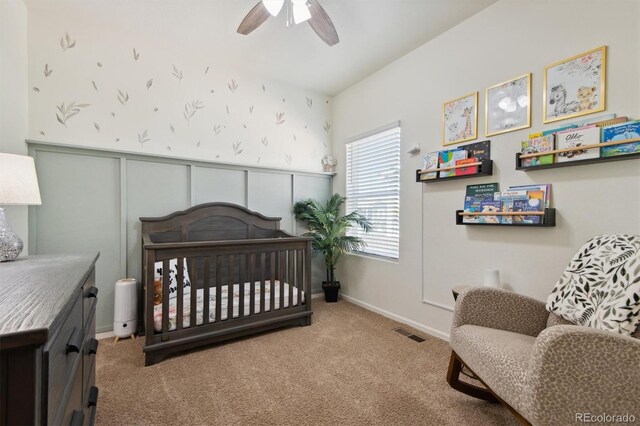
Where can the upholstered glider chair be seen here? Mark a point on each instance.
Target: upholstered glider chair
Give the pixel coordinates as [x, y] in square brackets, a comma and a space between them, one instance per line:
[569, 360]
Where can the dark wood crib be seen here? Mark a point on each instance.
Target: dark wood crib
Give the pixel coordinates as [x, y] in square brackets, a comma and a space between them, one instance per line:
[229, 252]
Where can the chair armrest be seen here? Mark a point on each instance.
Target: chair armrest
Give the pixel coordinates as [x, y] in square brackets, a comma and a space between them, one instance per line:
[501, 309]
[575, 369]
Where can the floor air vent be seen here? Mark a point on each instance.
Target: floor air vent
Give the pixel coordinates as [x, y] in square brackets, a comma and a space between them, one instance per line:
[409, 335]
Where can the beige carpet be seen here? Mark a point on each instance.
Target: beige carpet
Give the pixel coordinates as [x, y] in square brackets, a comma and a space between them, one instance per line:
[348, 368]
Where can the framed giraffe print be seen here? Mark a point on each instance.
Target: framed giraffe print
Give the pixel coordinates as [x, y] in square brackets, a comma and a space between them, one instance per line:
[575, 86]
[460, 119]
[508, 106]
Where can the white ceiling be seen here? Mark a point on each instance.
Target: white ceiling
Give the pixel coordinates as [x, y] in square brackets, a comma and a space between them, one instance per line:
[373, 33]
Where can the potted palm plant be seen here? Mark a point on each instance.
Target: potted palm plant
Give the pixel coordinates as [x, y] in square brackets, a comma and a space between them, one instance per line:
[328, 228]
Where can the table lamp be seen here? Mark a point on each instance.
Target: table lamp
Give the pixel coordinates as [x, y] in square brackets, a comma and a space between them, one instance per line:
[18, 186]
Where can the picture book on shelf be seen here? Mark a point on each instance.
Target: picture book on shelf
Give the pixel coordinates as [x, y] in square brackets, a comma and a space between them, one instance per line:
[480, 150]
[530, 205]
[475, 196]
[448, 159]
[507, 198]
[551, 131]
[471, 170]
[430, 162]
[534, 146]
[573, 138]
[490, 206]
[534, 190]
[620, 132]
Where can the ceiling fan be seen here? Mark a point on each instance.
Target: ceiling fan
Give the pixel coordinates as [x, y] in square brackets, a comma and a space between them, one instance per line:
[298, 11]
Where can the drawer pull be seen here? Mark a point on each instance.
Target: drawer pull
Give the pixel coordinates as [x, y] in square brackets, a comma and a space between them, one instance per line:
[77, 419]
[93, 346]
[93, 396]
[92, 292]
[75, 341]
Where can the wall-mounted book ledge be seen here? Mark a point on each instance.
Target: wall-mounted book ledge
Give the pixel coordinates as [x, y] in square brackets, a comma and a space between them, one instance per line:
[548, 217]
[556, 163]
[484, 168]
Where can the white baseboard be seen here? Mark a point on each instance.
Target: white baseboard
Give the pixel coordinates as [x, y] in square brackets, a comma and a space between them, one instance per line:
[105, 335]
[429, 330]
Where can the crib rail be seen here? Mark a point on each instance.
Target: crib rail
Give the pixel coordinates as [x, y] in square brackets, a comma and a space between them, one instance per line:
[218, 268]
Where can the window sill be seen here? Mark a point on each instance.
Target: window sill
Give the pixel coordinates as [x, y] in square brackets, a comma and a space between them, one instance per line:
[375, 257]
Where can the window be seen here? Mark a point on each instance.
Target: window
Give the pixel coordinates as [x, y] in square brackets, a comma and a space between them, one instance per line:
[373, 188]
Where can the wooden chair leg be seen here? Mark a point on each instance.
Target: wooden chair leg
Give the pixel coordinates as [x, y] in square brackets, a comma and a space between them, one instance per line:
[453, 378]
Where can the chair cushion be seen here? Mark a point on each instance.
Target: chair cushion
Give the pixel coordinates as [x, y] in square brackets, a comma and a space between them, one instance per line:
[500, 358]
[601, 286]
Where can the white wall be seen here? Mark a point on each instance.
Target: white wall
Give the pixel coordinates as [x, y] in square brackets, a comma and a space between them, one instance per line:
[505, 40]
[13, 95]
[235, 121]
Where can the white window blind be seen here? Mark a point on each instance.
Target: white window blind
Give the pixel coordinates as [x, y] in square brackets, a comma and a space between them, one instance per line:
[373, 188]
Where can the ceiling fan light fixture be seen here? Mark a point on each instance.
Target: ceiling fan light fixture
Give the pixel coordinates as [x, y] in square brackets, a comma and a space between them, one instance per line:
[273, 6]
[301, 12]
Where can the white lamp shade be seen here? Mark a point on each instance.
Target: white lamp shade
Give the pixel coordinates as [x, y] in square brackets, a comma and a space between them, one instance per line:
[301, 12]
[18, 180]
[273, 6]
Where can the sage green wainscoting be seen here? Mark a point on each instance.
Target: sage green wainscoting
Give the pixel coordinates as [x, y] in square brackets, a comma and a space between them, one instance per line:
[92, 200]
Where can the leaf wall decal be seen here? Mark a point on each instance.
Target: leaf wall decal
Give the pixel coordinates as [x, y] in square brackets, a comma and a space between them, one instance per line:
[190, 109]
[97, 126]
[149, 83]
[67, 43]
[232, 86]
[206, 71]
[217, 129]
[66, 112]
[123, 97]
[143, 137]
[236, 148]
[177, 73]
[99, 64]
[47, 71]
[309, 102]
[35, 89]
[95, 86]
[279, 118]
[136, 55]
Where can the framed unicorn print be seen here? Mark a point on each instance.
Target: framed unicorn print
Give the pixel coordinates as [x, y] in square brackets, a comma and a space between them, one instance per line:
[460, 119]
[575, 86]
[508, 106]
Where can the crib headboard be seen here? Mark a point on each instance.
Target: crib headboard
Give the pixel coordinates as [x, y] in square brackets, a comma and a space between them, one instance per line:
[211, 222]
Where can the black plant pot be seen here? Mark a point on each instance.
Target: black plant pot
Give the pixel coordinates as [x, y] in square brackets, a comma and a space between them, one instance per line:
[331, 291]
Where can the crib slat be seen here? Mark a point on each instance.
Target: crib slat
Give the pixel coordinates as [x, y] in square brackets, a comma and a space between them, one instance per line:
[241, 281]
[230, 279]
[218, 289]
[300, 277]
[262, 273]
[291, 276]
[252, 287]
[165, 296]
[206, 271]
[193, 276]
[180, 293]
[282, 278]
[272, 300]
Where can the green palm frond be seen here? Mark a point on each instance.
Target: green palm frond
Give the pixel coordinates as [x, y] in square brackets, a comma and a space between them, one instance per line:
[328, 228]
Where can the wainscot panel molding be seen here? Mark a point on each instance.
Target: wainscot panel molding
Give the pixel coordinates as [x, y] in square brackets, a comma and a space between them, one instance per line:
[92, 199]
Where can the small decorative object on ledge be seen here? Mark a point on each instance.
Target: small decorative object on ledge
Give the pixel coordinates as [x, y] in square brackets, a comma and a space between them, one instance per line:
[329, 164]
[18, 186]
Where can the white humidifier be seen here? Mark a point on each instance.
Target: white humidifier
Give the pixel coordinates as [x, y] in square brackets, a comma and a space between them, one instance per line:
[125, 318]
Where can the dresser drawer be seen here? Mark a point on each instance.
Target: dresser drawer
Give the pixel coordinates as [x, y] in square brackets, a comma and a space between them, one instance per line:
[90, 295]
[91, 347]
[63, 355]
[71, 412]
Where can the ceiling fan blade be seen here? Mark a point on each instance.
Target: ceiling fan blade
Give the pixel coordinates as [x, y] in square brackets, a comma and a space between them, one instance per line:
[321, 24]
[254, 19]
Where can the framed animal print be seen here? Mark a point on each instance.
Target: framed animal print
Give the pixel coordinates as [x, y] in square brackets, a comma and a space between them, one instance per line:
[460, 119]
[575, 86]
[508, 106]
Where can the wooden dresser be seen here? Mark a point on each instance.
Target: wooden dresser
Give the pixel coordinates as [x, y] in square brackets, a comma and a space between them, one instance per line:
[47, 340]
